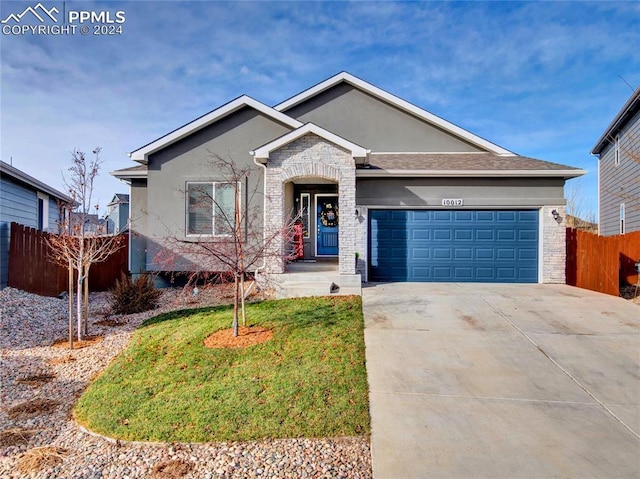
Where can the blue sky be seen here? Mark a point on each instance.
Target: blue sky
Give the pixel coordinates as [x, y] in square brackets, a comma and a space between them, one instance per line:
[542, 79]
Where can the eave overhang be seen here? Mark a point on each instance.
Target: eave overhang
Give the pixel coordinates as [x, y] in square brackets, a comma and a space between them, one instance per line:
[141, 155]
[358, 152]
[380, 173]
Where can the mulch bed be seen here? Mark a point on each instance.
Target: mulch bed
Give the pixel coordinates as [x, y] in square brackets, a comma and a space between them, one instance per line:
[112, 323]
[33, 408]
[86, 342]
[174, 469]
[15, 437]
[36, 379]
[247, 336]
[38, 458]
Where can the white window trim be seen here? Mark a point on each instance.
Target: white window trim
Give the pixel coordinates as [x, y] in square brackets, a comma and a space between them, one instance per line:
[616, 151]
[308, 197]
[45, 210]
[622, 218]
[213, 225]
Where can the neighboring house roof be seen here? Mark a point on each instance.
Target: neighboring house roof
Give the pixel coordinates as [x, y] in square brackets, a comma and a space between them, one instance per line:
[264, 151]
[462, 164]
[141, 154]
[135, 172]
[21, 176]
[395, 101]
[630, 108]
[119, 198]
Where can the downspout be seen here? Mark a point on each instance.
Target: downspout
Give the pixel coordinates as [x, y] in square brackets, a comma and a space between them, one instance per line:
[264, 222]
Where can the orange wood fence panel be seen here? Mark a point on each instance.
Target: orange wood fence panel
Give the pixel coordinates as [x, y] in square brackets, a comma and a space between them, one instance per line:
[602, 263]
[30, 268]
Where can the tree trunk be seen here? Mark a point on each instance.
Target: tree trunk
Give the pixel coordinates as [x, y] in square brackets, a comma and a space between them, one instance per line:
[234, 325]
[79, 308]
[244, 319]
[70, 306]
[86, 300]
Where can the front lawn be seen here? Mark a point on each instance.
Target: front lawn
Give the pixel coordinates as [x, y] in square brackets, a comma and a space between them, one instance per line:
[308, 380]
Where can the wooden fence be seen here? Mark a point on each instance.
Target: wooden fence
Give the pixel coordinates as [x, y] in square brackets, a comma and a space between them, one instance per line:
[602, 263]
[30, 268]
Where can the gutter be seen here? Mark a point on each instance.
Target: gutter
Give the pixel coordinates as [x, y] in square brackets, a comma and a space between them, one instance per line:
[381, 173]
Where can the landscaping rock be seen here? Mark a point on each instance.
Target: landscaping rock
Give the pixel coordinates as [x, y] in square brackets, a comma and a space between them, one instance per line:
[29, 326]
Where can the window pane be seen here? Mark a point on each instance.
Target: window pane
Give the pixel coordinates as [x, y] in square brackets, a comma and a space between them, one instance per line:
[225, 208]
[200, 209]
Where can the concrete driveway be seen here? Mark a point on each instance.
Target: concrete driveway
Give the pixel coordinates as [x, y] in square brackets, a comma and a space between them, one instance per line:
[513, 381]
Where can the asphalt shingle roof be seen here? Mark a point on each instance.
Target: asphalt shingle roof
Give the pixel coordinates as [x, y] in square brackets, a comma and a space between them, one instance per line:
[459, 161]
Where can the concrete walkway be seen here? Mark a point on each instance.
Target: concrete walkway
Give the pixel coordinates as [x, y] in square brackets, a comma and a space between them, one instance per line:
[511, 381]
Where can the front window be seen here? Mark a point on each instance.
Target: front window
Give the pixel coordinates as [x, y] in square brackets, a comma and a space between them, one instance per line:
[616, 151]
[622, 218]
[210, 208]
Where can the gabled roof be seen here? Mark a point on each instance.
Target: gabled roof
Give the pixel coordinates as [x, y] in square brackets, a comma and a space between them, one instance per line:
[128, 174]
[395, 101]
[119, 198]
[142, 154]
[462, 164]
[21, 176]
[263, 152]
[630, 108]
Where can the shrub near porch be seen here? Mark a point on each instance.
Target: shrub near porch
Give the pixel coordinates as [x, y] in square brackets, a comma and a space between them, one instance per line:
[308, 380]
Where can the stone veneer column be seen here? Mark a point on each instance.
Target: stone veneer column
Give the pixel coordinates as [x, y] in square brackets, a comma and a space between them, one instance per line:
[311, 157]
[554, 247]
[362, 248]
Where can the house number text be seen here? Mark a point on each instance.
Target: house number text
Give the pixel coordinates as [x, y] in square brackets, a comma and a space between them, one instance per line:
[452, 202]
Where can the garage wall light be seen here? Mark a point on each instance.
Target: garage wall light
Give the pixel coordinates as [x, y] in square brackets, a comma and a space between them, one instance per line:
[555, 214]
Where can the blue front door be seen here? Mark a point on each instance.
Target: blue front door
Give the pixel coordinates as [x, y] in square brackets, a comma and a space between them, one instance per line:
[327, 225]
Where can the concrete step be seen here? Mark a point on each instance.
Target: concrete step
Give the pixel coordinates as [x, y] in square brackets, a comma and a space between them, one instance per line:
[296, 285]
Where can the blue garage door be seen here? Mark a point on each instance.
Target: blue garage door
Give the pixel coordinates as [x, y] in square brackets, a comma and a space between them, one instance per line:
[460, 245]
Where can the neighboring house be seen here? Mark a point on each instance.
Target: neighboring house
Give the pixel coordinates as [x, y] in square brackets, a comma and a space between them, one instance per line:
[618, 150]
[26, 201]
[416, 197]
[92, 224]
[117, 217]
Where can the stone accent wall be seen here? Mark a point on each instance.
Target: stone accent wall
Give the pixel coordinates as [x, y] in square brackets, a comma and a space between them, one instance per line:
[362, 247]
[554, 248]
[311, 157]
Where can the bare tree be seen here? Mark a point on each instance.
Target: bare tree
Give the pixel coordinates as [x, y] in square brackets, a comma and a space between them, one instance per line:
[234, 244]
[80, 242]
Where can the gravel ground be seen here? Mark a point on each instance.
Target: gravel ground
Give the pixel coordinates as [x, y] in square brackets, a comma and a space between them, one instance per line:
[29, 326]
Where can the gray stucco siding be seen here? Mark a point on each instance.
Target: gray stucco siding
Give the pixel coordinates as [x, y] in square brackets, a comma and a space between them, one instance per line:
[476, 192]
[138, 231]
[621, 184]
[373, 123]
[169, 170]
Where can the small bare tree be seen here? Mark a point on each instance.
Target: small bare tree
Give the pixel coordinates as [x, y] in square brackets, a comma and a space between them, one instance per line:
[234, 245]
[80, 241]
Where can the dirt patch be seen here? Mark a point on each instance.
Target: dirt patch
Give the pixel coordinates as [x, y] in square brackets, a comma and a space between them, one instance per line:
[38, 458]
[36, 379]
[86, 342]
[247, 336]
[112, 323]
[15, 437]
[174, 469]
[30, 409]
[63, 360]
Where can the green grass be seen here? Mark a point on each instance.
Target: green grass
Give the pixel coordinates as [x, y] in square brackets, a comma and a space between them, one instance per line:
[308, 380]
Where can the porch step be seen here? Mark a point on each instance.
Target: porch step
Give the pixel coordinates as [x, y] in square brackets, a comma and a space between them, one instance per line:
[298, 285]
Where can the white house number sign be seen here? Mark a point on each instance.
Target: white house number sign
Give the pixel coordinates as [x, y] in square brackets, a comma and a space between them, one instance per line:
[452, 202]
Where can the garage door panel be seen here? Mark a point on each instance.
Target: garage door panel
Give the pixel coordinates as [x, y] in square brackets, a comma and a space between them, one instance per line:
[454, 245]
